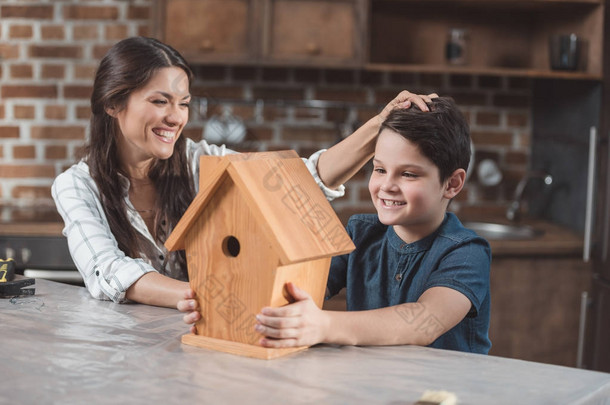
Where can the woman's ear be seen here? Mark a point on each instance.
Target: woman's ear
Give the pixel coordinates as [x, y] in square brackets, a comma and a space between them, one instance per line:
[111, 111]
[455, 183]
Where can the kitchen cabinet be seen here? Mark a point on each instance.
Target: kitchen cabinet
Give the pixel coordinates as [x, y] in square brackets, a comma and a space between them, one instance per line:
[597, 349]
[537, 287]
[535, 307]
[597, 346]
[503, 37]
[314, 31]
[563, 114]
[270, 32]
[38, 248]
[208, 30]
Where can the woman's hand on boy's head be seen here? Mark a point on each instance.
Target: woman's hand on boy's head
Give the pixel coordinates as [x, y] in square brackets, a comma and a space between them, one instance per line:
[406, 99]
[189, 305]
[301, 323]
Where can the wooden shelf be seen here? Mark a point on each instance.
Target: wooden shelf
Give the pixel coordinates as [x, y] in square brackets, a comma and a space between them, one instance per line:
[501, 3]
[503, 37]
[482, 70]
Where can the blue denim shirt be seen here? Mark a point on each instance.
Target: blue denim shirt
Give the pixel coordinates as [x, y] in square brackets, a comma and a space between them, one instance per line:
[385, 271]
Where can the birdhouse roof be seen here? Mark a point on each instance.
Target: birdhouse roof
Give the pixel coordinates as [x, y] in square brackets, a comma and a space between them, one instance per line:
[281, 193]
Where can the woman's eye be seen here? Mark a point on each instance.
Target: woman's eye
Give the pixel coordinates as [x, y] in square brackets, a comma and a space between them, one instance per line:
[159, 102]
[186, 105]
[379, 170]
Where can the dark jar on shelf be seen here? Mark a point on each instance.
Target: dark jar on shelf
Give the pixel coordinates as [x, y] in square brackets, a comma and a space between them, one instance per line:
[456, 48]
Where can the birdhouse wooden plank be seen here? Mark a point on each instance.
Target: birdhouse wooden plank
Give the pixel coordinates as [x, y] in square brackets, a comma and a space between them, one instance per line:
[258, 222]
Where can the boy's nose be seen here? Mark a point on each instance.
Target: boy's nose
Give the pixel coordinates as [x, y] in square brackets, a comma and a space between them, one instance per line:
[388, 185]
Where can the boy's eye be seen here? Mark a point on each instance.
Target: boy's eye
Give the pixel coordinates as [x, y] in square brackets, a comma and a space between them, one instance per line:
[407, 174]
[185, 105]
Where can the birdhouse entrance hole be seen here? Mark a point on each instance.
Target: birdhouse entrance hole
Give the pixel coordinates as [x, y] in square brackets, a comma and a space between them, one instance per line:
[230, 246]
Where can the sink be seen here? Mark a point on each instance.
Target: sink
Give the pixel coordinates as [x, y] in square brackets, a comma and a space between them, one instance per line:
[494, 231]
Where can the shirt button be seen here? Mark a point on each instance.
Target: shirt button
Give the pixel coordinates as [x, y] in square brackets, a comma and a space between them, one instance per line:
[97, 272]
[398, 277]
[161, 257]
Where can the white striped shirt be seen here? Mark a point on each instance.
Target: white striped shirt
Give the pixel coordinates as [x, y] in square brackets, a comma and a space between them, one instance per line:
[106, 270]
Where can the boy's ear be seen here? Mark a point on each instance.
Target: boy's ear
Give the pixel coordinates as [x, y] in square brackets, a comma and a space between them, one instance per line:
[455, 183]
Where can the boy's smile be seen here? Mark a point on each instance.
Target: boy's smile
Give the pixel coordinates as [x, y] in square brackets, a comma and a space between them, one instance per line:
[392, 203]
[405, 188]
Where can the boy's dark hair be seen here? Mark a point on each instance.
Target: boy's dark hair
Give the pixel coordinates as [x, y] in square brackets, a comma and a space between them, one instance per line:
[441, 134]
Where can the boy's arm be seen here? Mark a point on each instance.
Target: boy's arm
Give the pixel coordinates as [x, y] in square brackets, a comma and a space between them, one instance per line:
[421, 323]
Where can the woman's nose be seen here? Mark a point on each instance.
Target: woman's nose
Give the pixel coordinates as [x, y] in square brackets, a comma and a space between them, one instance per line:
[174, 116]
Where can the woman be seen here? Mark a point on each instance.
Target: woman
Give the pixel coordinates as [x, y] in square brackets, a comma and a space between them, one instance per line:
[139, 175]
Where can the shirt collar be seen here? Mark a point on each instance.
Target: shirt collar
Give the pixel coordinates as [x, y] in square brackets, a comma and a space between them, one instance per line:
[417, 246]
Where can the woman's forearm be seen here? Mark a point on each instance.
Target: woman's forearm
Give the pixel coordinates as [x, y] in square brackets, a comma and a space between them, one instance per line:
[156, 289]
[339, 163]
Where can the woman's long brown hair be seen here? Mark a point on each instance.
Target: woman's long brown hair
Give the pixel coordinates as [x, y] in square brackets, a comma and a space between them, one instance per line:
[128, 66]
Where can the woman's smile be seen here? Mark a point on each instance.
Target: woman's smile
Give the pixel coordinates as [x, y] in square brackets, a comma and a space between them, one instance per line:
[165, 135]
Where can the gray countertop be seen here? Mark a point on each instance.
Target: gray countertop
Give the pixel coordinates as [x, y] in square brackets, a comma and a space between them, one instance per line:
[61, 346]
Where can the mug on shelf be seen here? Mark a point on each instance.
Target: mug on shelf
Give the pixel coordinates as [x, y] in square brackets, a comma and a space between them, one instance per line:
[456, 47]
[564, 51]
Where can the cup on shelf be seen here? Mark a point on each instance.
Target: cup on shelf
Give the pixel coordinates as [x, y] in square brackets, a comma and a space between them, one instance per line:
[456, 47]
[564, 51]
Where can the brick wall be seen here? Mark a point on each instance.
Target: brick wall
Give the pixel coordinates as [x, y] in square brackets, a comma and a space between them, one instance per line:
[49, 51]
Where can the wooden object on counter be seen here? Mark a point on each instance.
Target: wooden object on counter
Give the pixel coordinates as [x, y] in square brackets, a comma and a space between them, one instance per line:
[258, 222]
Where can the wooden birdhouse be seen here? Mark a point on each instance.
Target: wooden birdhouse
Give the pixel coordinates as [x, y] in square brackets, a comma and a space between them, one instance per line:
[258, 222]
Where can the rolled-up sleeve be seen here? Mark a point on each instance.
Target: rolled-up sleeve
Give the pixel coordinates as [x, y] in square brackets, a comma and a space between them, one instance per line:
[106, 270]
[312, 166]
[197, 149]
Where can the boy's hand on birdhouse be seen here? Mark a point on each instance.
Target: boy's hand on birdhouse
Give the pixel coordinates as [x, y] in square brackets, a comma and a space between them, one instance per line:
[189, 305]
[301, 323]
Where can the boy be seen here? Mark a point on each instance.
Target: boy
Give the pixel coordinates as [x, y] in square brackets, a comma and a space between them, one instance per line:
[417, 275]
